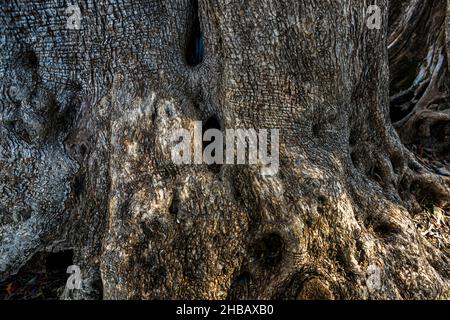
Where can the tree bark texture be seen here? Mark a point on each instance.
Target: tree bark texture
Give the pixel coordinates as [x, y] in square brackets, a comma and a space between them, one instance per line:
[85, 162]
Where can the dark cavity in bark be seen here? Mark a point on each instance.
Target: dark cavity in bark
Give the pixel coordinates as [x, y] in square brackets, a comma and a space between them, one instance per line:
[195, 44]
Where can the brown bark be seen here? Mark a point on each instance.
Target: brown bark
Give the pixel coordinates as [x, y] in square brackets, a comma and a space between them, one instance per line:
[419, 72]
[85, 152]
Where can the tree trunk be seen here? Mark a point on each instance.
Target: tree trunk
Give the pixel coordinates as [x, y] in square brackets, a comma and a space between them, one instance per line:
[418, 50]
[85, 152]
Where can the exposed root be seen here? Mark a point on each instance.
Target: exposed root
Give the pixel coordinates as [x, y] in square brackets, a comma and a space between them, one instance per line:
[420, 101]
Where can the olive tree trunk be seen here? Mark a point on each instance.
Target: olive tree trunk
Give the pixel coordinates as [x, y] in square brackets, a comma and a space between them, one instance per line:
[419, 44]
[87, 112]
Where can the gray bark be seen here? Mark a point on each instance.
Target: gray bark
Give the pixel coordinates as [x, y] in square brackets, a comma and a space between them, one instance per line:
[418, 54]
[86, 117]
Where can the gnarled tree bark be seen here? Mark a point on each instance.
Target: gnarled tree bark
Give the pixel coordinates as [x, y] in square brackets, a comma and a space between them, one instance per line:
[418, 51]
[86, 119]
